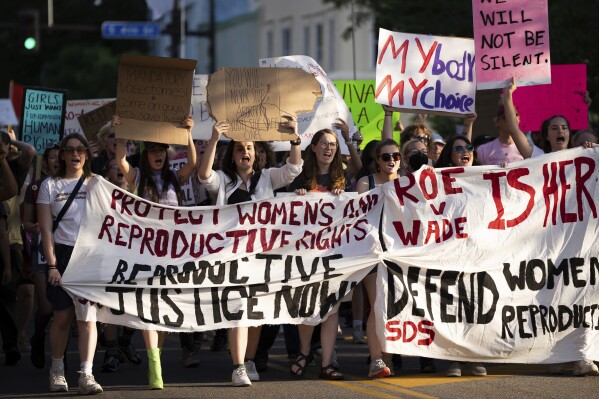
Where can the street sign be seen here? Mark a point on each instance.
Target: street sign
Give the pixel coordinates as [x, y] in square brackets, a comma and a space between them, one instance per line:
[130, 30]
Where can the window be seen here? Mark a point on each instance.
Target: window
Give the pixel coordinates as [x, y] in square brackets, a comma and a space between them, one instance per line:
[286, 50]
[319, 43]
[307, 40]
[269, 44]
[331, 45]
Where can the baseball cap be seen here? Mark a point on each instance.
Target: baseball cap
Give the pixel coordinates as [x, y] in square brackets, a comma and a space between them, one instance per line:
[437, 138]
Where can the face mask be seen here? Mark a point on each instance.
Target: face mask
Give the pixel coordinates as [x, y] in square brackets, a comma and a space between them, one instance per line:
[417, 160]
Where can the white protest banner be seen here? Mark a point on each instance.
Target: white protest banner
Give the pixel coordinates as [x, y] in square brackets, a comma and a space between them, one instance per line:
[329, 106]
[76, 108]
[202, 127]
[7, 113]
[512, 40]
[284, 260]
[493, 264]
[434, 74]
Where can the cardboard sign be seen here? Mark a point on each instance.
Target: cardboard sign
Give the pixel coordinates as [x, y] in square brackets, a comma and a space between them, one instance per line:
[433, 74]
[203, 122]
[43, 116]
[153, 98]
[7, 113]
[254, 100]
[368, 116]
[81, 116]
[329, 106]
[511, 39]
[565, 96]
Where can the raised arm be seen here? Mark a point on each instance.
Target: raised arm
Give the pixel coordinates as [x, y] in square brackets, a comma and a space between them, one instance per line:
[468, 122]
[27, 150]
[187, 170]
[205, 169]
[511, 119]
[387, 132]
[295, 153]
[355, 163]
[121, 157]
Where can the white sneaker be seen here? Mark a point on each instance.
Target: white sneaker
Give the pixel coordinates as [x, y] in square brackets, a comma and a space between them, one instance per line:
[57, 381]
[378, 369]
[250, 370]
[240, 378]
[478, 369]
[585, 367]
[88, 385]
[454, 370]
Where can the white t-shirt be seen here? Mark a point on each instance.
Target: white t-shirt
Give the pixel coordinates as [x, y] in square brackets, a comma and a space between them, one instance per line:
[56, 192]
[497, 153]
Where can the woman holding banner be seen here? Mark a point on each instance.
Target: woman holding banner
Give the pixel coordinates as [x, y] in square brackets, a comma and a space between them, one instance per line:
[323, 172]
[387, 165]
[242, 179]
[60, 206]
[155, 181]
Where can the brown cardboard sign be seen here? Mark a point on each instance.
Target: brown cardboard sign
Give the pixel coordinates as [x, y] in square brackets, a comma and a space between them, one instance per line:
[153, 98]
[254, 100]
[93, 120]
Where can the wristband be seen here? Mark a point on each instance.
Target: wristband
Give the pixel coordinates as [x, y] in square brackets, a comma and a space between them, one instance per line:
[51, 267]
[296, 142]
[348, 142]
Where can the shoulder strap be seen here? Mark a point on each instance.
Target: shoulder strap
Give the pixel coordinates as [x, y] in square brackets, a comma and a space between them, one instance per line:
[67, 204]
[371, 182]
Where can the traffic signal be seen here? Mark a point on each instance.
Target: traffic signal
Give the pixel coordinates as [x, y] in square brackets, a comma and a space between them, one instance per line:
[29, 28]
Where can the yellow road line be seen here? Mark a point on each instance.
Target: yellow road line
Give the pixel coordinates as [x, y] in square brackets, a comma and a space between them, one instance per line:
[366, 391]
[382, 384]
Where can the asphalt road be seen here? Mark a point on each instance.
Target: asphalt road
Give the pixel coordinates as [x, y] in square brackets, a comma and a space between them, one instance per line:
[212, 379]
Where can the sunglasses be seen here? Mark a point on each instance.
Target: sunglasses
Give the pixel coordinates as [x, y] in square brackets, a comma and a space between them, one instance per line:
[81, 150]
[328, 144]
[460, 149]
[386, 157]
[424, 139]
[51, 145]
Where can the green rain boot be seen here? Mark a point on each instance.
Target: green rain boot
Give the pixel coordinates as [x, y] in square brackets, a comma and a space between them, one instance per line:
[154, 369]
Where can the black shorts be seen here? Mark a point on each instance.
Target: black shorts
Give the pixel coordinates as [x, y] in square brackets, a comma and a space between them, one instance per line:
[57, 296]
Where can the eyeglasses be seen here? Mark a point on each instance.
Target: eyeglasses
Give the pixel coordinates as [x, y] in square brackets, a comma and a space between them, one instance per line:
[81, 150]
[461, 148]
[328, 144]
[51, 145]
[424, 139]
[386, 157]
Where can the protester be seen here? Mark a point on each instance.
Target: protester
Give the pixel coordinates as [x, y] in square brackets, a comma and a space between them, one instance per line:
[439, 143]
[43, 312]
[323, 172]
[414, 154]
[155, 181]
[459, 152]
[582, 136]
[69, 186]
[387, 165]
[243, 180]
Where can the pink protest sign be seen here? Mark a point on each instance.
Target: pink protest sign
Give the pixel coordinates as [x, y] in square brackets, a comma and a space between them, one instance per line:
[511, 38]
[564, 96]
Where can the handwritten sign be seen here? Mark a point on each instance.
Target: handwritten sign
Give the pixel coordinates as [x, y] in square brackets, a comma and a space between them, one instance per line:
[511, 39]
[7, 113]
[203, 122]
[74, 117]
[254, 100]
[153, 98]
[329, 106]
[434, 74]
[565, 96]
[43, 116]
[368, 116]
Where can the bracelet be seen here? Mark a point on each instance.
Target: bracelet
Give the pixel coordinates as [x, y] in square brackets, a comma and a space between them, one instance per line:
[50, 267]
[349, 142]
[296, 142]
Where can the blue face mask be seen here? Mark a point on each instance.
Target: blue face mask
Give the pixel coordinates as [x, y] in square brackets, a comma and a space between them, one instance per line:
[417, 160]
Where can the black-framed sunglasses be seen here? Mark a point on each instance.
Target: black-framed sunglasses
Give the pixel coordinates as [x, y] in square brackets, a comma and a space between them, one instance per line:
[423, 138]
[80, 149]
[459, 149]
[386, 157]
